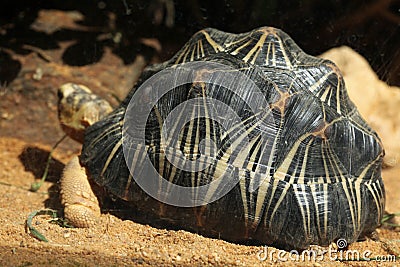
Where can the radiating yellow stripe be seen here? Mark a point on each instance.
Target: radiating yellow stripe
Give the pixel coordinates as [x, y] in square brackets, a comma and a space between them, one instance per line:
[301, 177]
[243, 189]
[319, 82]
[281, 197]
[111, 156]
[285, 56]
[300, 197]
[256, 48]
[181, 54]
[263, 188]
[327, 90]
[283, 169]
[267, 54]
[237, 50]
[215, 45]
[338, 102]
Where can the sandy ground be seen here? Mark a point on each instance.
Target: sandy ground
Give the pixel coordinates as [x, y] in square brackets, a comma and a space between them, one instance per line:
[29, 128]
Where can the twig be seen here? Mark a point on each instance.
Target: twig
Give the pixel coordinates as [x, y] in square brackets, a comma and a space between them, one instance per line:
[36, 185]
[39, 51]
[32, 230]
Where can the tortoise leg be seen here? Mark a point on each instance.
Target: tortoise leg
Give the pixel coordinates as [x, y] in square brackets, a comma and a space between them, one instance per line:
[81, 207]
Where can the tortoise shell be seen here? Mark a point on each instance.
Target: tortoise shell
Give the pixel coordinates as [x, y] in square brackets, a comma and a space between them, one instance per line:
[301, 168]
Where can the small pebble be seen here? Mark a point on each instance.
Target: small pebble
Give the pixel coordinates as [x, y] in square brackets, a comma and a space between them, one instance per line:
[38, 74]
[67, 234]
[7, 116]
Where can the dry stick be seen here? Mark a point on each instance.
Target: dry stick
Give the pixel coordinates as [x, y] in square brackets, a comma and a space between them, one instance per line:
[36, 185]
[41, 53]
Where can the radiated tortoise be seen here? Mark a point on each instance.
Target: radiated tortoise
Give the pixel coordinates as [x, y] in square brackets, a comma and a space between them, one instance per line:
[242, 137]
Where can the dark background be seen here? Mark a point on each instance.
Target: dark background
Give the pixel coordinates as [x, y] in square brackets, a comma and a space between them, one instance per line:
[372, 28]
